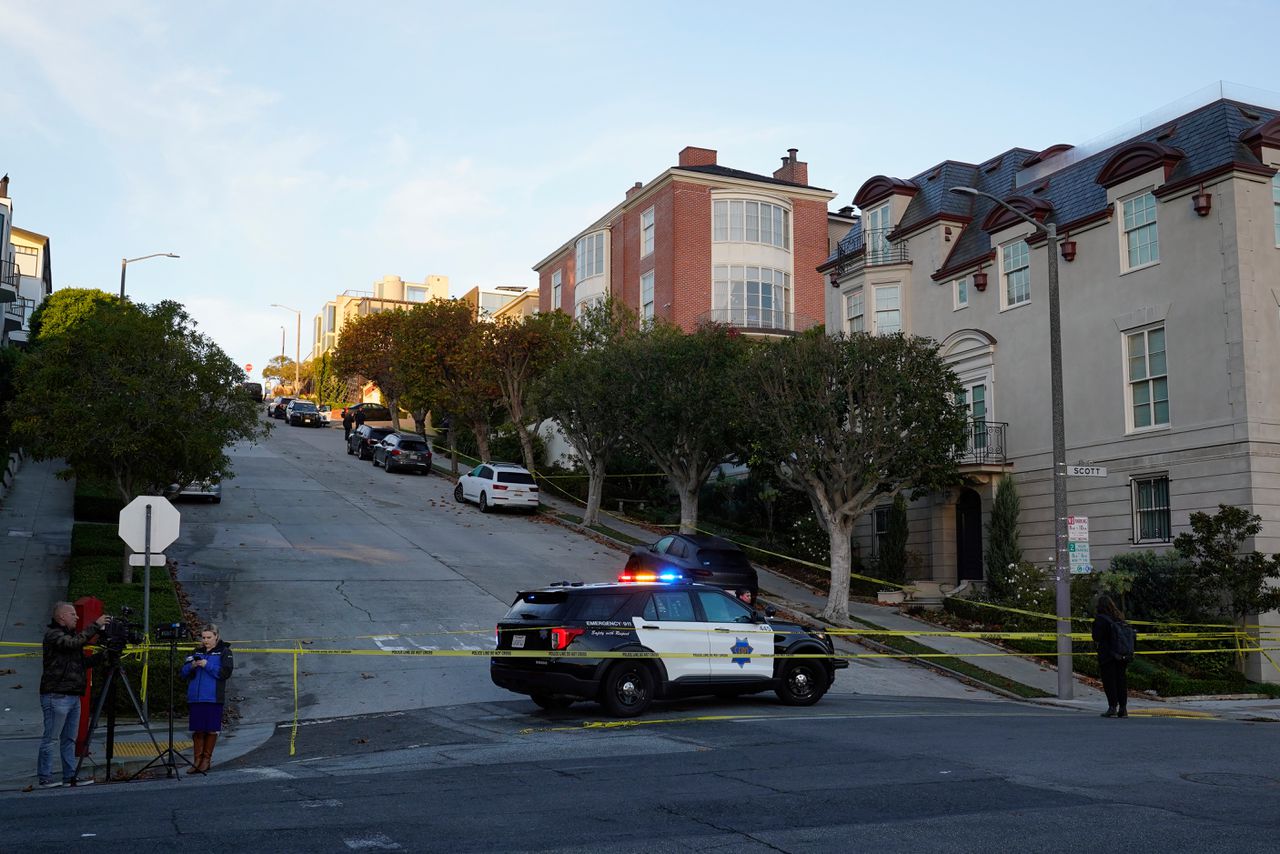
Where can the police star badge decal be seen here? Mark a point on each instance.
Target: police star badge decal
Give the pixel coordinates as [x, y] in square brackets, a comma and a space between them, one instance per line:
[741, 648]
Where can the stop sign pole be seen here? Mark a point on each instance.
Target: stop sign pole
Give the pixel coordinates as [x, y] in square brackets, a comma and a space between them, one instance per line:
[149, 521]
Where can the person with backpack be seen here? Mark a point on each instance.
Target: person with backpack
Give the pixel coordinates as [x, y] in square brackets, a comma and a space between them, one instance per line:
[1114, 640]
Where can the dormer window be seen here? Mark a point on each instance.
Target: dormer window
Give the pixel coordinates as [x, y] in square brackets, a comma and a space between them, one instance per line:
[876, 224]
[1141, 241]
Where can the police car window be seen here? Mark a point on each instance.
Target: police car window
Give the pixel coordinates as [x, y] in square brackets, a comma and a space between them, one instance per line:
[662, 545]
[600, 607]
[674, 605]
[538, 606]
[721, 609]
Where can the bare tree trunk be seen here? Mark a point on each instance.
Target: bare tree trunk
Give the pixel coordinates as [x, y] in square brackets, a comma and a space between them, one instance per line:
[453, 448]
[481, 432]
[526, 445]
[839, 531]
[689, 507]
[393, 403]
[595, 490]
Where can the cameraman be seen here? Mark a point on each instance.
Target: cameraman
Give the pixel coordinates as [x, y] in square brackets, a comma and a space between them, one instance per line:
[62, 683]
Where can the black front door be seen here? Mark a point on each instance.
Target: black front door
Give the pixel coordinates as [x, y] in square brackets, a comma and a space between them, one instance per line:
[969, 536]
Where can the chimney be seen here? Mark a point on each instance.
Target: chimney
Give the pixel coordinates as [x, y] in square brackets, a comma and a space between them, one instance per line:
[634, 188]
[694, 156]
[4, 187]
[792, 169]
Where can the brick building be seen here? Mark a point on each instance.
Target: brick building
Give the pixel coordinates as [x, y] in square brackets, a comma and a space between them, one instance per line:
[703, 242]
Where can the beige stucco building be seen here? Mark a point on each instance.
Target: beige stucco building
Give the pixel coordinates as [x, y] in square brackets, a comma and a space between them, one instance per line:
[388, 293]
[1170, 305]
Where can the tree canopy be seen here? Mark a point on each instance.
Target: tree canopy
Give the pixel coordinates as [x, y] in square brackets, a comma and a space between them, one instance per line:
[522, 350]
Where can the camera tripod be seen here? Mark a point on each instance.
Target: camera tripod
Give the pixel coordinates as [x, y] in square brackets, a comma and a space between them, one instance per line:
[168, 757]
[115, 675]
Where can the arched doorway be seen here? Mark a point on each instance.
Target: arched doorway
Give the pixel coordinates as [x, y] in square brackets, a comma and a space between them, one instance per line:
[968, 536]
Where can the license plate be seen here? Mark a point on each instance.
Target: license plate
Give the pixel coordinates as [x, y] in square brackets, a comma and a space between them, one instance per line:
[517, 641]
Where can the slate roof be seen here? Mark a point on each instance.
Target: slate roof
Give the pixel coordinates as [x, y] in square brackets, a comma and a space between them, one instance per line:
[1209, 137]
[726, 172]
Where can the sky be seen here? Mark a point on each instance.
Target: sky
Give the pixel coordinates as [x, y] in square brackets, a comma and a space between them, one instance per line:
[289, 151]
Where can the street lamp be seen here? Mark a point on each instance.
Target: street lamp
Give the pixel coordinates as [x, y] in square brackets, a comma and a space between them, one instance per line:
[1061, 564]
[297, 346]
[125, 262]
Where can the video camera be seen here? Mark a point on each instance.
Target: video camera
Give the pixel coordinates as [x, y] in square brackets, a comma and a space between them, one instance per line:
[172, 631]
[120, 632]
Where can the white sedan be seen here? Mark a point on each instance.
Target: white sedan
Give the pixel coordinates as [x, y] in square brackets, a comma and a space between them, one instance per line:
[498, 485]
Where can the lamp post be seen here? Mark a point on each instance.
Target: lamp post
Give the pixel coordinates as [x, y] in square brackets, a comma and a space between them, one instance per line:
[297, 347]
[125, 262]
[1061, 563]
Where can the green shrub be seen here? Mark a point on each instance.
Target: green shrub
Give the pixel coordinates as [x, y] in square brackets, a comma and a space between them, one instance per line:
[96, 501]
[88, 538]
[1004, 549]
[893, 554]
[1164, 587]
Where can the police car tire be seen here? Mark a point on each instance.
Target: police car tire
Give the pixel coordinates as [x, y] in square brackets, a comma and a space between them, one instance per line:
[804, 681]
[627, 689]
[552, 702]
[457, 494]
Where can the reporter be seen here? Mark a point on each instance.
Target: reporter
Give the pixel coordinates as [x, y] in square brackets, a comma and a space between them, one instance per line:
[206, 671]
[62, 683]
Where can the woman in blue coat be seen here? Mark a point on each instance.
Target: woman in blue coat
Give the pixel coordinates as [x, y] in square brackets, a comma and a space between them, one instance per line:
[206, 672]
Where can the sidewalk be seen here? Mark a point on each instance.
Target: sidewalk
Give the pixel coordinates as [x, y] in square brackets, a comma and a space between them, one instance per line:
[35, 540]
[786, 593]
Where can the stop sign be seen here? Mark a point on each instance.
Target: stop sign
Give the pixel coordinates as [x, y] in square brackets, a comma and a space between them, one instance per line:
[164, 523]
[248, 369]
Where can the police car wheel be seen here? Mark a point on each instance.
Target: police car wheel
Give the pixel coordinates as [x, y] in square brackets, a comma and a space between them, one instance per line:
[457, 494]
[552, 702]
[803, 683]
[627, 690]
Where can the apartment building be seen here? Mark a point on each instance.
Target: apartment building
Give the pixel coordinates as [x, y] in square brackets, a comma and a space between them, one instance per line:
[388, 293]
[703, 242]
[1170, 304]
[26, 273]
[487, 303]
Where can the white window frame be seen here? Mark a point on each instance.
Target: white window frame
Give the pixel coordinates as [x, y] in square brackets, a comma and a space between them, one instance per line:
[589, 256]
[416, 289]
[856, 298]
[879, 527]
[1007, 271]
[734, 303]
[1135, 511]
[1131, 229]
[960, 293]
[557, 280]
[646, 233]
[646, 295]
[877, 326]
[731, 222]
[1149, 381]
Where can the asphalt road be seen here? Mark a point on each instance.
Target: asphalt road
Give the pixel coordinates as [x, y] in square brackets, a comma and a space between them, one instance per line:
[860, 774]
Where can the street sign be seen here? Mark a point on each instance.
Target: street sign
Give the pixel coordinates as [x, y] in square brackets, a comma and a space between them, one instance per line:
[139, 559]
[1086, 471]
[1078, 529]
[248, 368]
[164, 523]
[1079, 558]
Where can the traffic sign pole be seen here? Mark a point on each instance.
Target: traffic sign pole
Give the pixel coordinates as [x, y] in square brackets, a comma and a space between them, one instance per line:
[146, 578]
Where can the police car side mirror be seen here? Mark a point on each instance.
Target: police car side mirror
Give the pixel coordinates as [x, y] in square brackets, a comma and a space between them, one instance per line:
[770, 612]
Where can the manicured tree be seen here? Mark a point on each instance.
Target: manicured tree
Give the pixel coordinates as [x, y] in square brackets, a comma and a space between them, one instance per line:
[580, 393]
[1004, 548]
[1247, 580]
[63, 309]
[893, 554]
[849, 419]
[523, 350]
[680, 399]
[367, 347]
[134, 396]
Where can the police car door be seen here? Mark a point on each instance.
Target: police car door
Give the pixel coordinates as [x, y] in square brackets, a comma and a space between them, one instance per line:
[735, 633]
[669, 624]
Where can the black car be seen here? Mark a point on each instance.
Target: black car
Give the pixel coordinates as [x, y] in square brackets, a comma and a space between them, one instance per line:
[702, 558]
[403, 451]
[276, 407]
[304, 413]
[372, 412]
[363, 438]
[705, 640]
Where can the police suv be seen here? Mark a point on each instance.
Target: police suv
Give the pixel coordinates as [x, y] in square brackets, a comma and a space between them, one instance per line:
[685, 639]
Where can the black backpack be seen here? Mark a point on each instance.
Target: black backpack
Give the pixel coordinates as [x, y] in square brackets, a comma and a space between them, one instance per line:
[1123, 640]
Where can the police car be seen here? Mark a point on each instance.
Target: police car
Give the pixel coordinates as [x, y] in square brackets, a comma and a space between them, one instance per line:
[706, 642]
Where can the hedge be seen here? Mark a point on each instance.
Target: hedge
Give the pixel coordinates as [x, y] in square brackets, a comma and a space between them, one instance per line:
[96, 501]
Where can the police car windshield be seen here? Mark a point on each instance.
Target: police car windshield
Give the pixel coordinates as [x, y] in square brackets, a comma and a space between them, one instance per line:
[538, 606]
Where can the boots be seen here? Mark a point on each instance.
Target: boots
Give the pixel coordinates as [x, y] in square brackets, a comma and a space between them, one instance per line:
[1110, 712]
[197, 752]
[210, 739]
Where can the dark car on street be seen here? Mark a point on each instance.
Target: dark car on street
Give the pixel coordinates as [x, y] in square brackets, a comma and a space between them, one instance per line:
[363, 438]
[403, 452]
[277, 406]
[702, 558]
[304, 413]
[660, 641]
[374, 413]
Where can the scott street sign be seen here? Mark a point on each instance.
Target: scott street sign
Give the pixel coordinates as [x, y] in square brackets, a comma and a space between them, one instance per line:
[1086, 471]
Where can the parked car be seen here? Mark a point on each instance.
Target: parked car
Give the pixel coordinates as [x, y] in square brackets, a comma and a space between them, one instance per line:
[277, 406]
[206, 489]
[498, 485]
[403, 451]
[254, 390]
[363, 438]
[693, 557]
[304, 413]
[681, 622]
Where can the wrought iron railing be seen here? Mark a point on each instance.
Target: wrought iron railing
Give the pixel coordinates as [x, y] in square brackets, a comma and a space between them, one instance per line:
[985, 443]
[9, 273]
[764, 320]
[871, 247]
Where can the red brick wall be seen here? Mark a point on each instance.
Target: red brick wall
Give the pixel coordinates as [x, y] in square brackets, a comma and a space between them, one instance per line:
[563, 262]
[689, 291]
[809, 249]
[629, 266]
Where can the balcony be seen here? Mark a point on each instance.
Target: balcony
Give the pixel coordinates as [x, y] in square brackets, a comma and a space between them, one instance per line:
[985, 445]
[9, 273]
[871, 248]
[759, 321]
